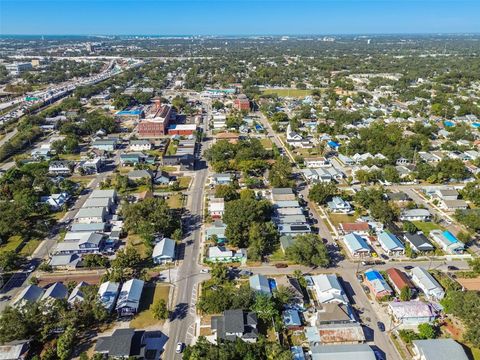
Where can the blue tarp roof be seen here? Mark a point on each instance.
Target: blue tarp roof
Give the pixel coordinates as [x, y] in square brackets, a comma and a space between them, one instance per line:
[332, 143]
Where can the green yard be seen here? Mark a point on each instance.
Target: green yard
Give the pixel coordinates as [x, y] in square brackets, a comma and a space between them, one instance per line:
[288, 92]
[137, 242]
[336, 219]
[266, 143]
[150, 295]
[12, 244]
[184, 182]
[175, 201]
[426, 227]
[30, 247]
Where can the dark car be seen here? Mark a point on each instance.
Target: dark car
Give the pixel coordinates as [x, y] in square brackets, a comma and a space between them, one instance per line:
[281, 265]
[408, 267]
[452, 268]
[381, 326]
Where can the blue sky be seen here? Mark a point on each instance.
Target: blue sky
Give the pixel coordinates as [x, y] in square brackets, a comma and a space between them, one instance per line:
[238, 17]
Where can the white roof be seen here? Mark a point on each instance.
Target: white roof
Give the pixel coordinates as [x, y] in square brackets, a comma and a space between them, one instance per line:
[424, 277]
[328, 289]
[410, 309]
[130, 294]
[164, 248]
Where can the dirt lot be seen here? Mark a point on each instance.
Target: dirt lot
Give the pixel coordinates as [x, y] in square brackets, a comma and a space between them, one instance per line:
[93, 278]
[470, 284]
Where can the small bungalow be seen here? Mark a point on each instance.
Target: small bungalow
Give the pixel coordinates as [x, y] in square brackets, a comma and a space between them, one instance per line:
[377, 284]
[391, 244]
[129, 297]
[411, 312]
[108, 293]
[427, 283]
[400, 280]
[418, 242]
[338, 205]
[164, 251]
[291, 319]
[260, 284]
[447, 241]
[56, 291]
[356, 245]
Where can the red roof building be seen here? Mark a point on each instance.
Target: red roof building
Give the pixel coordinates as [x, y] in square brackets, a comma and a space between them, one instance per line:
[242, 103]
[399, 280]
[361, 228]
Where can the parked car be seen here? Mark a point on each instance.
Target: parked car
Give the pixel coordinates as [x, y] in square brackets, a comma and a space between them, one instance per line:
[408, 267]
[452, 268]
[281, 265]
[205, 271]
[381, 326]
[179, 348]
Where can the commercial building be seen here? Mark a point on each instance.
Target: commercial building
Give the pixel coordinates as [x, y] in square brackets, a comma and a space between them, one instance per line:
[182, 129]
[18, 68]
[242, 103]
[156, 121]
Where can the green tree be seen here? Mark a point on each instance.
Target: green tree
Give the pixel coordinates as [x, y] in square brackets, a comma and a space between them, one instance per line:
[280, 174]
[427, 331]
[309, 250]
[227, 192]
[321, 192]
[405, 294]
[264, 307]
[66, 342]
[159, 310]
[409, 227]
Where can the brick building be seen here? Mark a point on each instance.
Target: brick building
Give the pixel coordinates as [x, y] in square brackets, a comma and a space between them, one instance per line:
[156, 122]
[242, 103]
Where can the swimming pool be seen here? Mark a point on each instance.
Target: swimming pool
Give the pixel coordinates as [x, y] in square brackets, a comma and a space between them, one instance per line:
[449, 123]
[476, 125]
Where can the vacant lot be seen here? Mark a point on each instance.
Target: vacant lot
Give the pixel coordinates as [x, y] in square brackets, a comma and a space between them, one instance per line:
[426, 227]
[150, 295]
[288, 92]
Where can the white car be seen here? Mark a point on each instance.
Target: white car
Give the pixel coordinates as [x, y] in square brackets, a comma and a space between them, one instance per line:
[205, 271]
[179, 348]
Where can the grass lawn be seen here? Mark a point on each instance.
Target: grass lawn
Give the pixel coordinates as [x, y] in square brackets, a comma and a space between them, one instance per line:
[342, 218]
[277, 255]
[266, 143]
[288, 92]
[175, 201]
[70, 157]
[82, 180]
[169, 168]
[475, 353]
[184, 181]
[30, 247]
[12, 244]
[172, 149]
[150, 295]
[426, 227]
[137, 242]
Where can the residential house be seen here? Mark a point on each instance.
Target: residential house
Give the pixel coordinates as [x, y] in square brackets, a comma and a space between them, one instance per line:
[91, 166]
[336, 324]
[410, 313]
[80, 243]
[222, 179]
[415, 215]
[15, 350]
[55, 201]
[108, 193]
[138, 175]
[418, 242]
[105, 144]
[328, 289]
[132, 158]
[217, 229]
[338, 205]
[122, 344]
[342, 352]
[356, 245]
[90, 215]
[92, 227]
[221, 254]
[294, 229]
[216, 207]
[447, 241]
[105, 203]
[164, 251]
[57, 291]
[65, 261]
[297, 353]
[291, 320]
[298, 298]
[400, 280]
[140, 145]
[129, 297]
[30, 294]
[316, 162]
[454, 205]
[60, 168]
[391, 244]
[236, 324]
[438, 349]
[282, 194]
[377, 284]
[260, 284]
[427, 283]
[359, 228]
[108, 293]
[77, 295]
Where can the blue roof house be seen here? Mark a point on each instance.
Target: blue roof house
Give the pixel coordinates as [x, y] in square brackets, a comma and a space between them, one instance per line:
[356, 245]
[447, 241]
[377, 283]
[291, 318]
[390, 243]
[259, 283]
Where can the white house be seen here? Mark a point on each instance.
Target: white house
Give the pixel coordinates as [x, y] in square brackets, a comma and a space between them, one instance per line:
[129, 297]
[427, 283]
[216, 207]
[328, 289]
[140, 145]
[164, 251]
